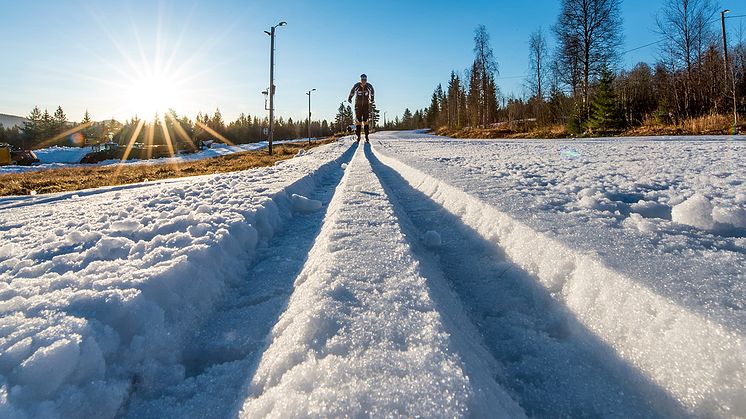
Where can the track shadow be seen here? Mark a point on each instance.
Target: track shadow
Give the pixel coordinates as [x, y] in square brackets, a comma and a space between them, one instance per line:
[552, 364]
[223, 354]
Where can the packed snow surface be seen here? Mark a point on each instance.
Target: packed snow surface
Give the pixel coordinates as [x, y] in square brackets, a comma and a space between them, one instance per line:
[415, 276]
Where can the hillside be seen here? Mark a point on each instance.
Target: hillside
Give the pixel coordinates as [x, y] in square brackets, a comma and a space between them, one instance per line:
[11, 120]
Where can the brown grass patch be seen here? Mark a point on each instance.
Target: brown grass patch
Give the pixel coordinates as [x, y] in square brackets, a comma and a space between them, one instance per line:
[77, 178]
[702, 125]
[553, 131]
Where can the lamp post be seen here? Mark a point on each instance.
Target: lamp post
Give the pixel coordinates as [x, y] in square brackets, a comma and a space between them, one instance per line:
[271, 89]
[309, 114]
[725, 69]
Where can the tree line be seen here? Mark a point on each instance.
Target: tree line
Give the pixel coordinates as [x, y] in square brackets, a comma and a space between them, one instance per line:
[42, 129]
[580, 85]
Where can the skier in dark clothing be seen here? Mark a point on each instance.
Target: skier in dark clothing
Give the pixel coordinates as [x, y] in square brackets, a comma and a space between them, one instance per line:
[364, 98]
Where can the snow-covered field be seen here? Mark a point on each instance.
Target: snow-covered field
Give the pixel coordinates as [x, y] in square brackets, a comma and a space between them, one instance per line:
[418, 276]
[60, 157]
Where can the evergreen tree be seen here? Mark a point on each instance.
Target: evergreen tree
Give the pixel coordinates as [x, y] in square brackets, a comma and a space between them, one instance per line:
[216, 122]
[86, 125]
[375, 115]
[605, 112]
[59, 122]
[47, 126]
[339, 119]
[433, 110]
[32, 128]
[407, 119]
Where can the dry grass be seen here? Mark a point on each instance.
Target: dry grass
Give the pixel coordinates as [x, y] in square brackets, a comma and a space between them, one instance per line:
[77, 178]
[553, 131]
[702, 125]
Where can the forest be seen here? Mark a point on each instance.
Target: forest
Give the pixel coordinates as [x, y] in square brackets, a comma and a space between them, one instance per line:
[697, 85]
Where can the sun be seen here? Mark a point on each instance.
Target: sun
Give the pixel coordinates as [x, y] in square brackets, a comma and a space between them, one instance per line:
[153, 94]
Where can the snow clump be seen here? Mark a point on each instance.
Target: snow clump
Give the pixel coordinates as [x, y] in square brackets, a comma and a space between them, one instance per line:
[303, 204]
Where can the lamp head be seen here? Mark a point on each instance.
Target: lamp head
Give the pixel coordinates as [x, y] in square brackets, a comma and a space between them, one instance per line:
[282, 24]
[726, 11]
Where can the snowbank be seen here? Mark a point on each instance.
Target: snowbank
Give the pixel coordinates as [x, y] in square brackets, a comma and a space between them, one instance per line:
[97, 293]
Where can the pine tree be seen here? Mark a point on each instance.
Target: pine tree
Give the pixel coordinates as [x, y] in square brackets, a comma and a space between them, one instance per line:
[605, 111]
[375, 115]
[407, 119]
[59, 122]
[47, 126]
[32, 128]
[433, 110]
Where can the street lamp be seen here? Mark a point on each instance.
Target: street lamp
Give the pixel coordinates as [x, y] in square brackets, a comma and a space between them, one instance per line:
[271, 89]
[725, 68]
[309, 114]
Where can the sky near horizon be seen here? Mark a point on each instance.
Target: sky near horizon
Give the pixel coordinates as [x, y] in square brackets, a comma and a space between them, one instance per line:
[105, 56]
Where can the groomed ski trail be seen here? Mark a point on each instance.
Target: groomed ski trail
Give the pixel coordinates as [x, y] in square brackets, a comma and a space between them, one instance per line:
[697, 362]
[552, 364]
[223, 352]
[367, 331]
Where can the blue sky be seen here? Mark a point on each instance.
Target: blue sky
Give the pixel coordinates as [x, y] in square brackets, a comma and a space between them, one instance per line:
[87, 54]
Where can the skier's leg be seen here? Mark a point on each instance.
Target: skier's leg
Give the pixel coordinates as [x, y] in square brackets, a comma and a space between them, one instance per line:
[358, 121]
[365, 114]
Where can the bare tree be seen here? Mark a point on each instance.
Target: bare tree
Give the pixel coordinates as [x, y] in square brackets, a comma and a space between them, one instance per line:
[686, 26]
[537, 64]
[484, 70]
[589, 33]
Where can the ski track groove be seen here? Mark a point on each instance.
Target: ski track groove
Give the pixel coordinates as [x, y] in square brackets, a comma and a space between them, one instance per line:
[346, 311]
[368, 330]
[646, 331]
[551, 364]
[224, 351]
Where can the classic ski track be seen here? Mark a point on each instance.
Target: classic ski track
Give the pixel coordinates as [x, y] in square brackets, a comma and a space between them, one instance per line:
[369, 330]
[552, 365]
[223, 351]
[666, 337]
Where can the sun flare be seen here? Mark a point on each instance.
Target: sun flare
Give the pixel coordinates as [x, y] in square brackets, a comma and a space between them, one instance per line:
[152, 94]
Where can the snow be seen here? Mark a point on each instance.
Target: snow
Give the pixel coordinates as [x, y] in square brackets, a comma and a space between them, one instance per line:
[695, 211]
[98, 292]
[660, 295]
[415, 276]
[364, 332]
[303, 204]
[432, 239]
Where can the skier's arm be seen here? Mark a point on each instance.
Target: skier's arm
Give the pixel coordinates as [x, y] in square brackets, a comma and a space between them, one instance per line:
[372, 93]
[352, 93]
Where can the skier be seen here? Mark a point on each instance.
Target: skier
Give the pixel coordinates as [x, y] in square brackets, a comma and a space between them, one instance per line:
[364, 98]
